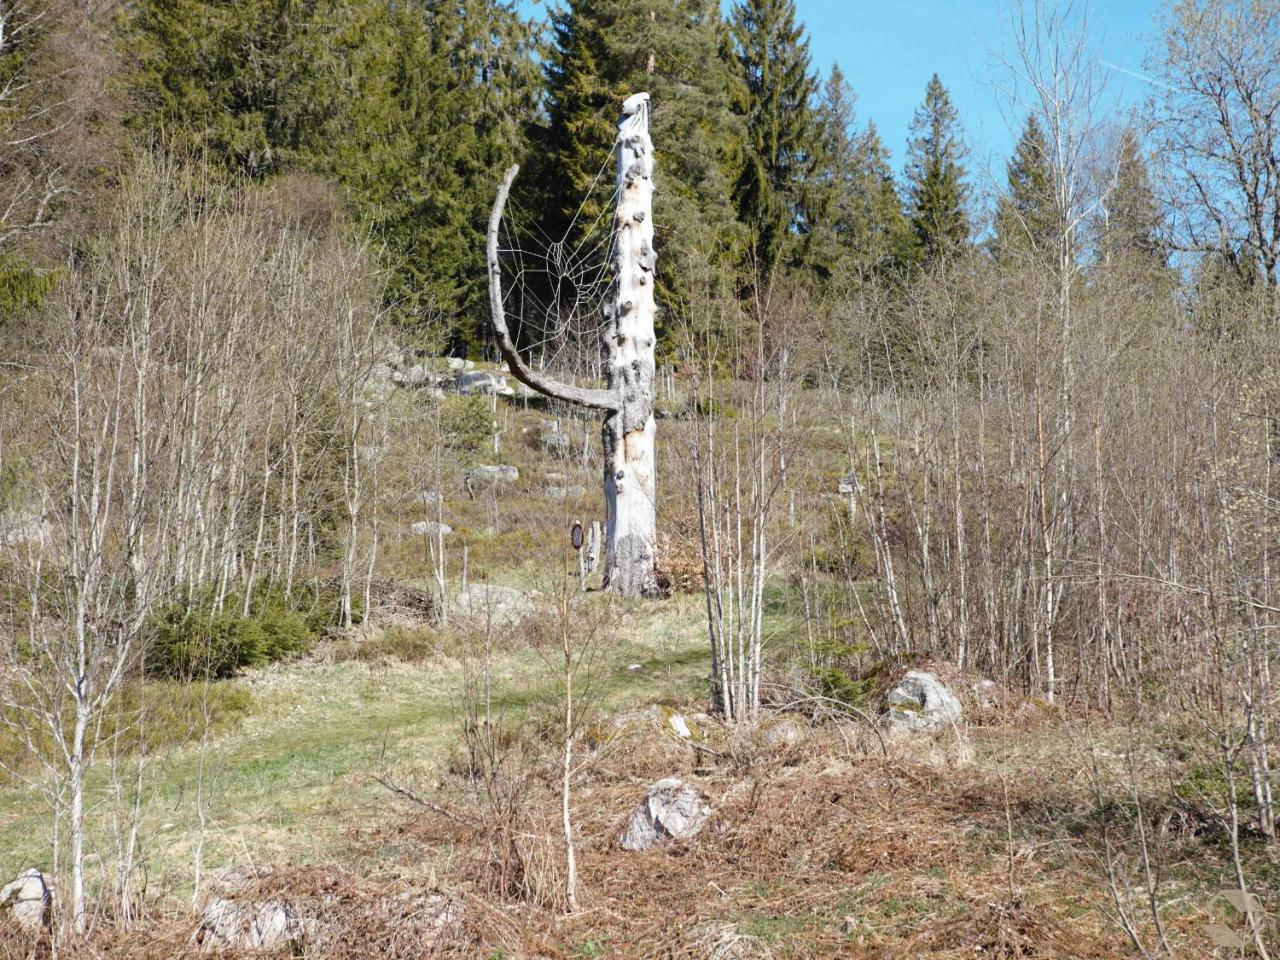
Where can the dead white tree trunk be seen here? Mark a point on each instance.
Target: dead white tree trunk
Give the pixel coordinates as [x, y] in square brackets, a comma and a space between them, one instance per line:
[628, 337]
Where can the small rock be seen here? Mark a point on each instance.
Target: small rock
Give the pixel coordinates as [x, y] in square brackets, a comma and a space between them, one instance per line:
[557, 445]
[984, 692]
[635, 668]
[782, 731]
[431, 528]
[919, 701]
[679, 726]
[571, 492]
[18, 527]
[670, 811]
[29, 900]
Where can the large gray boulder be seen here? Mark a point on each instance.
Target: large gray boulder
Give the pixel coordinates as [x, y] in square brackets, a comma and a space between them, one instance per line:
[430, 528]
[243, 917]
[477, 383]
[496, 604]
[271, 924]
[28, 899]
[491, 476]
[415, 376]
[784, 731]
[558, 445]
[920, 701]
[670, 810]
[233, 919]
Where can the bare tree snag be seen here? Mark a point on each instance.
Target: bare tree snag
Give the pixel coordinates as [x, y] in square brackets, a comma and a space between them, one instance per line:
[628, 338]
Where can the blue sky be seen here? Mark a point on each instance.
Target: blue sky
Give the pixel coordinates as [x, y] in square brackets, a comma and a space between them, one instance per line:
[889, 48]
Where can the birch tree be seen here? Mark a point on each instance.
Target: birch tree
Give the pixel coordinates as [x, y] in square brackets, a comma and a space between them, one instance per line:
[1216, 107]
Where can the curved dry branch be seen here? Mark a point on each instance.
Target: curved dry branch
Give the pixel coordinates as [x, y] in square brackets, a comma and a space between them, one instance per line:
[583, 396]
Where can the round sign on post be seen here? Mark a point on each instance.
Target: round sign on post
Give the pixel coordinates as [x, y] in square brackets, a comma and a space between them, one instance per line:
[575, 536]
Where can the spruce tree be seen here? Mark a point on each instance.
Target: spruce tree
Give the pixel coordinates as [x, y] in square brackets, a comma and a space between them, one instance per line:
[605, 50]
[1027, 223]
[859, 226]
[257, 85]
[935, 173]
[775, 189]
[1130, 229]
[464, 84]
[413, 108]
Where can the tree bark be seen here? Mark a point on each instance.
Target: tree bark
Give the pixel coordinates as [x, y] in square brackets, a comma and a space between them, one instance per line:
[628, 339]
[629, 469]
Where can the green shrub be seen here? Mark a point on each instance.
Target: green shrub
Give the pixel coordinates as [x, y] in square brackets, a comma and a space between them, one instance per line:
[466, 424]
[194, 638]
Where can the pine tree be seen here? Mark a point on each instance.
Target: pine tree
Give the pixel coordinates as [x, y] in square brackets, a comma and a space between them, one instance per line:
[605, 50]
[859, 226]
[935, 173]
[774, 191]
[1027, 224]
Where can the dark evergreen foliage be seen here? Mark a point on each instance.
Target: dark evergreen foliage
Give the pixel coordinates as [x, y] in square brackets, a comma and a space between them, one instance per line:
[778, 189]
[677, 50]
[1027, 224]
[414, 108]
[937, 190]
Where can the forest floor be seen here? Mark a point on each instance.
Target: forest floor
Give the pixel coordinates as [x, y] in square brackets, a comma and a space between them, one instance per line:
[991, 842]
[1025, 833]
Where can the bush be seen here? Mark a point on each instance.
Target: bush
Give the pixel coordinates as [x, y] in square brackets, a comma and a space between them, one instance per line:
[466, 424]
[195, 638]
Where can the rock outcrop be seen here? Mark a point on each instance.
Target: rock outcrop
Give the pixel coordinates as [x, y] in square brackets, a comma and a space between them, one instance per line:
[430, 528]
[490, 477]
[28, 899]
[920, 701]
[670, 810]
[497, 604]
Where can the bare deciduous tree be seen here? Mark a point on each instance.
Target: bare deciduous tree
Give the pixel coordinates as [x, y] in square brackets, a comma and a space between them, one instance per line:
[1217, 128]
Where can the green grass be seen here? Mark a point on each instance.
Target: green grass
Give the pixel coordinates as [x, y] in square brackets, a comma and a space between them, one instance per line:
[295, 775]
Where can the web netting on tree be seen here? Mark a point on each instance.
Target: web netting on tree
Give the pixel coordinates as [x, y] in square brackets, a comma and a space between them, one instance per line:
[556, 283]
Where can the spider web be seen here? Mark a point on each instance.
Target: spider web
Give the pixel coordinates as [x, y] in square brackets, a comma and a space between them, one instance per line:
[554, 287]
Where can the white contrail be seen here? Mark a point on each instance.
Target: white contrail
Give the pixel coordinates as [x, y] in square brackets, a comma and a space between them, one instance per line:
[1137, 76]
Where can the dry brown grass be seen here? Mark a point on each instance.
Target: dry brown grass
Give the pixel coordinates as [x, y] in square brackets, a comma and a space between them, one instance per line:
[943, 848]
[814, 851]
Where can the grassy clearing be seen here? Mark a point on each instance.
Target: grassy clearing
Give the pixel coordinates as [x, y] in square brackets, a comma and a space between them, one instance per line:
[292, 775]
